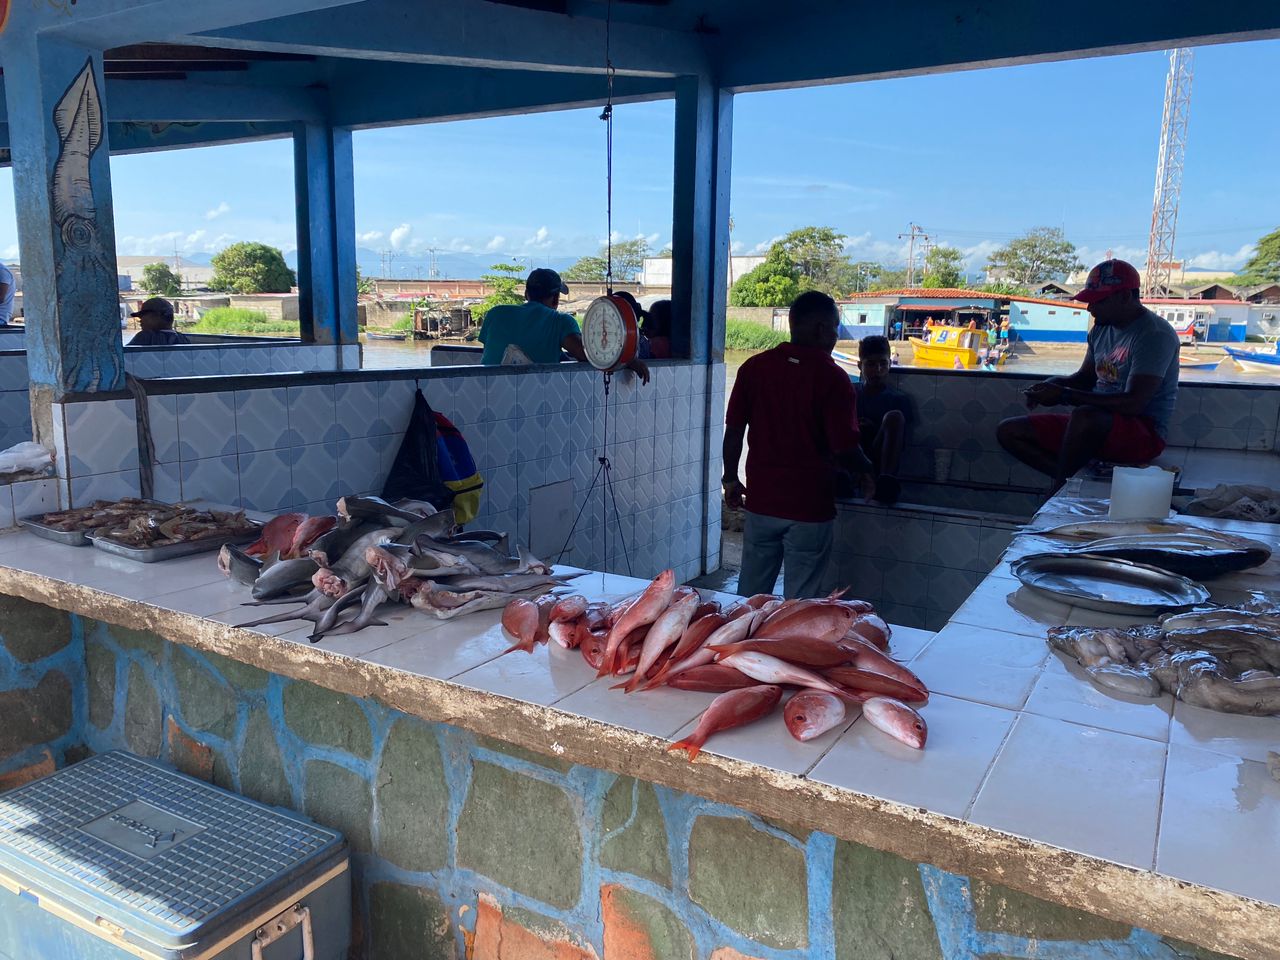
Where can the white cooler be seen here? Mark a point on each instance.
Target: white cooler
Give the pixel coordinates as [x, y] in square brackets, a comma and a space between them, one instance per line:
[122, 857]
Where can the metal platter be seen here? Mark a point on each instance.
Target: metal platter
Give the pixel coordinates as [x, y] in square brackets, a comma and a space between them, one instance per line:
[1107, 584]
[72, 538]
[170, 551]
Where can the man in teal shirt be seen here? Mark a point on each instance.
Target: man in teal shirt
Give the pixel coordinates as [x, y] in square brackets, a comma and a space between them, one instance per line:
[536, 328]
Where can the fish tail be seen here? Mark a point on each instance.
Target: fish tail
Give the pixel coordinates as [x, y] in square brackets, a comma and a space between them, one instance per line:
[691, 746]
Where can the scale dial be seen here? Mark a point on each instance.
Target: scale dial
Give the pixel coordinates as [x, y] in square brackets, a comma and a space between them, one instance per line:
[610, 333]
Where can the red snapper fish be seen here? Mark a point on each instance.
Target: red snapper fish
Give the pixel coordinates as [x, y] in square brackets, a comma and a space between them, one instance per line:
[769, 669]
[569, 608]
[308, 532]
[729, 710]
[806, 651]
[897, 720]
[666, 630]
[875, 684]
[520, 620]
[710, 678]
[811, 713]
[694, 638]
[866, 657]
[277, 534]
[646, 609]
[871, 628]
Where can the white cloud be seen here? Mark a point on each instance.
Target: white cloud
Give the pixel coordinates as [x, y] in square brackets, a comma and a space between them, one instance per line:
[737, 246]
[496, 244]
[194, 238]
[218, 242]
[218, 211]
[400, 235]
[11, 252]
[1222, 260]
[1091, 255]
[764, 245]
[540, 239]
[373, 236]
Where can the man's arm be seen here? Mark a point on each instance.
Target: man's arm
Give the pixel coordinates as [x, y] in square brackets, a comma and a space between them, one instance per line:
[1137, 394]
[731, 451]
[1049, 393]
[572, 345]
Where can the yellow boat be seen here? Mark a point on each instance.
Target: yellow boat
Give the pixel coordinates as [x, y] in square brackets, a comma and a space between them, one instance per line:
[949, 347]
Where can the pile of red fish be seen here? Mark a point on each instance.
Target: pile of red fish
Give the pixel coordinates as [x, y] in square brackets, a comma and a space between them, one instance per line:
[834, 651]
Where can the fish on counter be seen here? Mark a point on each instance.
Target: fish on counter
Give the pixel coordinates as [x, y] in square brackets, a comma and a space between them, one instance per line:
[832, 650]
[1222, 659]
[1186, 550]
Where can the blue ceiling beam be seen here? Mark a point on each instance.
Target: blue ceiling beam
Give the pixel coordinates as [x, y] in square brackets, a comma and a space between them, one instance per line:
[471, 33]
[160, 101]
[378, 94]
[846, 41]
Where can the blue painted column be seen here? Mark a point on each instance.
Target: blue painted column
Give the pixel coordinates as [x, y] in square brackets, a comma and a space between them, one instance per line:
[62, 188]
[700, 216]
[325, 188]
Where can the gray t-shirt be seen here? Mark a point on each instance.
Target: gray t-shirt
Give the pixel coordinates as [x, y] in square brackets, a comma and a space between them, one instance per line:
[6, 297]
[1148, 347]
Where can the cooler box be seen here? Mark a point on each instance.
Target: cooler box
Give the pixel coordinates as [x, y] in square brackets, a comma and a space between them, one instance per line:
[122, 857]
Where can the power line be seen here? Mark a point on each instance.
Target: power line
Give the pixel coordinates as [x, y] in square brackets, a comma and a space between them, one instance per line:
[916, 232]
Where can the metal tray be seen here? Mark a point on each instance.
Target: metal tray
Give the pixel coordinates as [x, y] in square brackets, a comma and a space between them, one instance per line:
[72, 538]
[170, 551]
[1107, 584]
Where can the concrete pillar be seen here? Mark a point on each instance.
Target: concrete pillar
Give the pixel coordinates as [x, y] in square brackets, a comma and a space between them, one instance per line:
[700, 217]
[62, 188]
[325, 189]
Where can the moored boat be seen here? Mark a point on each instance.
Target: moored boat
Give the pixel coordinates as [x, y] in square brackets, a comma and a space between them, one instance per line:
[1254, 360]
[948, 347]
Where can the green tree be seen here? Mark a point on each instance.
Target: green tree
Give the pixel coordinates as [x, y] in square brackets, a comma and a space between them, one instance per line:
[1005, 289]
[817, 255]
[889, 280]
[587, 270]
[772, 284]
[943, 267]
[864, 274]
[251, 268]
[160, 281]
[505, 283]
[628, 258]
[1264, 265]
[364, 284]
[1043, 254]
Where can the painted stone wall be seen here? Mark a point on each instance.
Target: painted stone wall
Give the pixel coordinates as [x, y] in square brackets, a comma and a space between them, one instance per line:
[468, 849]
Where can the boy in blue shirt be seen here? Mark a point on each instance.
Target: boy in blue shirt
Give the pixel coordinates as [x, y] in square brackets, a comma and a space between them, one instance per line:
[536, 327]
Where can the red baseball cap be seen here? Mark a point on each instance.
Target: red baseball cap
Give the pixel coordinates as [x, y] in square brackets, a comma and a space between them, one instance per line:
[1108, 277]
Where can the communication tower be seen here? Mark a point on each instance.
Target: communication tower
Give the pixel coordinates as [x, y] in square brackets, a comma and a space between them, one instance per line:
[1173, 150]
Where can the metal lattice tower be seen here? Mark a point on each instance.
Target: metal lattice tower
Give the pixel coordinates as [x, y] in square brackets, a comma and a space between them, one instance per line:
[1173, 150]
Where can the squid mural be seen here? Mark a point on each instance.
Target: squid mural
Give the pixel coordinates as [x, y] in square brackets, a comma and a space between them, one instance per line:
[91, 360]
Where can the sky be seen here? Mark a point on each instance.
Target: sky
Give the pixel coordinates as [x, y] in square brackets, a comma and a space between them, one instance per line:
[976, 158]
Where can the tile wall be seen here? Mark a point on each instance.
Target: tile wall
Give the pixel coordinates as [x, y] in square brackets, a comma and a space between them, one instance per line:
[197, 361]
[916, 566]
[302, 447]
[959, 412]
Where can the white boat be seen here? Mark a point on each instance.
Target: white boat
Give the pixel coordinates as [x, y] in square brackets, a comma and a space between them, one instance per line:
[1254, 360]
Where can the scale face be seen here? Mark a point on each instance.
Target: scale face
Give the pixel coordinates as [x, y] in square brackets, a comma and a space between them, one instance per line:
[610, 333]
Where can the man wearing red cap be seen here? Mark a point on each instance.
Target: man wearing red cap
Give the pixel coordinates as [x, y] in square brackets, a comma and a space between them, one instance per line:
[1123, 394]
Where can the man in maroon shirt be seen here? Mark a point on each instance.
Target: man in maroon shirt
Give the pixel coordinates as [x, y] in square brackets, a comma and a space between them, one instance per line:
[800, 408]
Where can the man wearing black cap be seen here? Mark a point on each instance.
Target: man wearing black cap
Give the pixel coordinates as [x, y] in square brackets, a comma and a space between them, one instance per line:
[155, 317]
[535, 328]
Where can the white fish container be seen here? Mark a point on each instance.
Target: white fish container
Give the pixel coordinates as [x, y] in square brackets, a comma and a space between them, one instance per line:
[121, 857]
[1140, 493]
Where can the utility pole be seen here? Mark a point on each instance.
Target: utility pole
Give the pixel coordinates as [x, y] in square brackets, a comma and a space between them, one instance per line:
[917, 232]
[1173, 151]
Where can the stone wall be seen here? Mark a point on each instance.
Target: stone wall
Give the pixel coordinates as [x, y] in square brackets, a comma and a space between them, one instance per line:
[469, 848]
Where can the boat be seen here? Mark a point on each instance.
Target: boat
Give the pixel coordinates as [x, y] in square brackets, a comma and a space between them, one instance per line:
[1253, 359]
[1192, 363]
[385, 336]
[949, 347]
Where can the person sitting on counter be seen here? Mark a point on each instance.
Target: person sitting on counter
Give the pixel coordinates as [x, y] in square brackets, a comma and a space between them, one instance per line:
[6, 295]
[1123, 393]
[536, 331]
[883, 414]
[802, 414]
[155, 317]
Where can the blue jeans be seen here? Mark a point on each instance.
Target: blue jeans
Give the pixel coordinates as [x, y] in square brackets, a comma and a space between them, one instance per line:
[800, 550]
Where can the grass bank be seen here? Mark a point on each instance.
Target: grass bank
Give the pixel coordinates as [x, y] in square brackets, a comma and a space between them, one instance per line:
[243, 322]
[745, 335]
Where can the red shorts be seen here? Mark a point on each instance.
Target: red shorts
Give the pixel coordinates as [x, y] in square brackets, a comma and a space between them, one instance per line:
[1131, 440]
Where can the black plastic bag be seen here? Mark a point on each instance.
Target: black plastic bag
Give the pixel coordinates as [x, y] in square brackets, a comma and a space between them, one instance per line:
[415, 474]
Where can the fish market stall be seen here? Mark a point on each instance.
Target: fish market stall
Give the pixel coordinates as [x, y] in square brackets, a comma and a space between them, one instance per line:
[1039, 807]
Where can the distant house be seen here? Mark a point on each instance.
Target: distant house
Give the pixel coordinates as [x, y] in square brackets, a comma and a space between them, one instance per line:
[1057, 290]
[194, 275]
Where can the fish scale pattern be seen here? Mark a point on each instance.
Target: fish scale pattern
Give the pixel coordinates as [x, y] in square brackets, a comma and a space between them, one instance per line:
[462, 845]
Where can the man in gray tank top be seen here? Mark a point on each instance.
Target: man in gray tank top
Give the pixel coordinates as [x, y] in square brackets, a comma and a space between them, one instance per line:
[1123, 393]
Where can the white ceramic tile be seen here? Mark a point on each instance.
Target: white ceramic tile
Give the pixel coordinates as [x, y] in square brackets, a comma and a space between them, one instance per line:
[548, 674]
[448, 648]
[1001, 604]
[207, 598]
[1220, 824]
[659, 712]
[501, 402]
[102, 437]
[1227, 733]
[162, 414]
[1084, 617]
[312, 414]
[265, 479]
[963, 740]
[401, 621]
[357, 407]
[1064, 692]
[32, 497]
[7, 518]
[980, 664]
[211, 478]
[314, 474]
[167, 482]
[262, 419]
[906, 642]
[1081, 788]
[360, 466]
[206, 425]
[103, 486]
[395, 406]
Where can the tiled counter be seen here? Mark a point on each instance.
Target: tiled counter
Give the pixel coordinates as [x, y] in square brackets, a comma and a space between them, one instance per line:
[1148, 814]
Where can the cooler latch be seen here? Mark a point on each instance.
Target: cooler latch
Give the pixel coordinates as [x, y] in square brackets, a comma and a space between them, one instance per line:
[274, 929]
